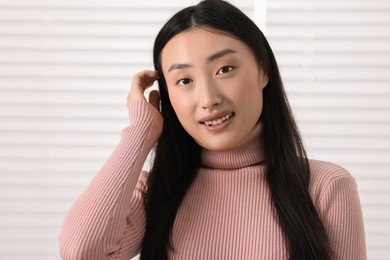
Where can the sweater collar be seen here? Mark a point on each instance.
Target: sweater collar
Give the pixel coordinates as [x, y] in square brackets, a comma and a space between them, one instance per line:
[248, 153]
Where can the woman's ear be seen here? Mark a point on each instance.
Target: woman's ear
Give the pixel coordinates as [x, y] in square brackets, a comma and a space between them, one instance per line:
[263, 78]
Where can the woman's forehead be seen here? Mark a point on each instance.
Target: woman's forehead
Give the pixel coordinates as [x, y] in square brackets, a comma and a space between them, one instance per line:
[200, 43]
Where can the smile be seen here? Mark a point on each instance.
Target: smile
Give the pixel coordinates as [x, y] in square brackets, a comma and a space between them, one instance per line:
[218, 121]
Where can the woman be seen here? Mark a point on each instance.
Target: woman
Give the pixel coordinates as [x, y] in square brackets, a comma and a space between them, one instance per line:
[230, 178]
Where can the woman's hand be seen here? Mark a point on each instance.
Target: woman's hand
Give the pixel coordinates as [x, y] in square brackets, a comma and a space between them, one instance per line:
[141, 81]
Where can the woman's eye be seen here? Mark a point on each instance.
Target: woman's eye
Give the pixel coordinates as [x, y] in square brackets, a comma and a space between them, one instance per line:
[183, 82]
[225, 69]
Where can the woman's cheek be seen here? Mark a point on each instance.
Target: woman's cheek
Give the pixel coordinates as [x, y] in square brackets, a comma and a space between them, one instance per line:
[178, 103]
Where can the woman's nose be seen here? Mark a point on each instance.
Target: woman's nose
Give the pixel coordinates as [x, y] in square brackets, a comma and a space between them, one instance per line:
[208, 95]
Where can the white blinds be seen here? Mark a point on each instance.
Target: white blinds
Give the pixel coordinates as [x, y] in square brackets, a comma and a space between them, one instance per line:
[335, 61]
[65, 70]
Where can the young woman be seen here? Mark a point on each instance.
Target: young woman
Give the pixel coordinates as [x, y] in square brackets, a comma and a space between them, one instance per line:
[230, 178]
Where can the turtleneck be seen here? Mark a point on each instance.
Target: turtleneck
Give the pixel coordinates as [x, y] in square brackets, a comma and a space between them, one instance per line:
[249, 152]
[223, 216]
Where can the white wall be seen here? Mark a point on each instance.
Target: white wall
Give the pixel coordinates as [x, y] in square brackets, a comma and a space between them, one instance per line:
[335, 62]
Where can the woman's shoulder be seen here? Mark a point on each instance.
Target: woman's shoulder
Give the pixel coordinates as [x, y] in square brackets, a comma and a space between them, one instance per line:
[325, 176]
[327, 170]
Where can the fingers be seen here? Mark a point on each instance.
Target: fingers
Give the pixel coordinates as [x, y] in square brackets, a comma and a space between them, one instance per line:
[140, 82]
[145, 78]
[154, 99]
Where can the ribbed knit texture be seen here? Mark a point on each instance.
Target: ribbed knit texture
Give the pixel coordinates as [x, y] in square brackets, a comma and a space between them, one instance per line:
[226, 214]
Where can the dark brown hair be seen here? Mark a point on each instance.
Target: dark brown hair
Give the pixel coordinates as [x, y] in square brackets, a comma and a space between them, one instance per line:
[177, 156]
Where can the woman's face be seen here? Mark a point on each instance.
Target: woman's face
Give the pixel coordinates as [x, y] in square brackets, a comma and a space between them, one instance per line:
[215, 86]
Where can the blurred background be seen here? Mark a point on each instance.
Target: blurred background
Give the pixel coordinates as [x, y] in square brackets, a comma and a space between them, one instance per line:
[66, 67]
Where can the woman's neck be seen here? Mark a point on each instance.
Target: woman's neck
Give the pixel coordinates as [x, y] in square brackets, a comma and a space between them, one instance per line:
[248, 153]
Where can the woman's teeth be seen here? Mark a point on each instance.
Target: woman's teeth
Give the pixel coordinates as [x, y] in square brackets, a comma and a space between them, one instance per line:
[218, 121]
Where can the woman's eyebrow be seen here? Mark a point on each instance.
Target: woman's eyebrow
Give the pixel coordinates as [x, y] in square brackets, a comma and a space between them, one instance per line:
[213, 57]
[220, 54]
[178, 66]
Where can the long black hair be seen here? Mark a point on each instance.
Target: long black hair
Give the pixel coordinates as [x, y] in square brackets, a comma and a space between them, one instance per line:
[177, 155]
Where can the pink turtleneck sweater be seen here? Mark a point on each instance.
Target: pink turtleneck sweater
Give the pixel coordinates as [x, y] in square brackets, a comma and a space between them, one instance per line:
[225, 215]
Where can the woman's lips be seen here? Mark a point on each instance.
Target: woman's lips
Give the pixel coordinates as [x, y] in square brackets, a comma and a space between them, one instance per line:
[215, 116]
[218, 121]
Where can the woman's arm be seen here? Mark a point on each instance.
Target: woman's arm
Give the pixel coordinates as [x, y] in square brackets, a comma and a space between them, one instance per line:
[341, 213]
[107, 221]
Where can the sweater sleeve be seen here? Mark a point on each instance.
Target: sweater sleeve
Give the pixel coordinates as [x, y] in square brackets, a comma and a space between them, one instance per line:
[341, 214]
[107, 221]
